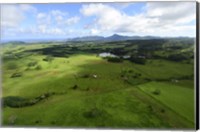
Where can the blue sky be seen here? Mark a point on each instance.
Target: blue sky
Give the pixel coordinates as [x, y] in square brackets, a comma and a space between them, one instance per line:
[55, 21]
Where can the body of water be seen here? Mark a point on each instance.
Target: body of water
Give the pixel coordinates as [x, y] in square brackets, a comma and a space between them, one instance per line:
[106, 54]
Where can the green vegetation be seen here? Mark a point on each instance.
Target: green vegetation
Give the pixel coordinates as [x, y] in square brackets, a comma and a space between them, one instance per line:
[48, 58]
[138, 60]
[70, 85]
[172, 96]
[114, 59]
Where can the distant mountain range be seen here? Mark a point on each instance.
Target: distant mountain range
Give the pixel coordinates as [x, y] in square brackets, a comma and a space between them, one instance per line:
[114, 37]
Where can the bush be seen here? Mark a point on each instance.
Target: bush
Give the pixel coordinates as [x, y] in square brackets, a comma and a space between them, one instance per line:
[27, 69]
[85, 76]
[39, 67]
[156, 92]
[48, 58]
[9, 57]
[130, 71]
[30, 64]
[16, 75]
[13, 101]
[114, 59]
[93, 113]
[177, 57]
[150, 108]
[162, 111]
[75, 87]
[147, 79]
[137, 60]
[16, 102]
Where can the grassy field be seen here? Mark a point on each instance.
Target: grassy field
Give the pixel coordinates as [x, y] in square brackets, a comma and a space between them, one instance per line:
[82, 89]
[180, 103]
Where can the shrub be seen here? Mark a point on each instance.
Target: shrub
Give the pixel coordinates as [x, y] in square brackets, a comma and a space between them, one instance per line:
[38, 67]
[27, 69]
[85, 76]
[9, 57]
[48, 58]
[114, 59]
[130, 71]
[136, 75]
[150, 108]
[147, 79]
[16, 75]
[156, 92]
[30, 64]
[37, 121]
[162, 111]
[137, 60]
[75, 87]
[122, 75]
[14, 101]
[94, 112]
[177, 57]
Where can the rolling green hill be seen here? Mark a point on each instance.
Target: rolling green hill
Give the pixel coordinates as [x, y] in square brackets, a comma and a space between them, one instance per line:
[70, 85]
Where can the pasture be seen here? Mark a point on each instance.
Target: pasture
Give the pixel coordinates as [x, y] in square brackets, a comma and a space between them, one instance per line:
[70, 85]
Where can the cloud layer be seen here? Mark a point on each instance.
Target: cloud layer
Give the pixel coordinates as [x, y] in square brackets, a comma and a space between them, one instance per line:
[155, 18]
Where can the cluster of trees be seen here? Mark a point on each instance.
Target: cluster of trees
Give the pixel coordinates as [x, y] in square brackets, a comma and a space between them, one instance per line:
[17, 74]
[118, 51]
[31, 64]
[95, 113]
[48, 58]
[16, 102]
[178, 57]
[137, 60]
[114, 59]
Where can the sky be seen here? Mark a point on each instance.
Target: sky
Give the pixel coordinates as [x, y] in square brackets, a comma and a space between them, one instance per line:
[63, 21]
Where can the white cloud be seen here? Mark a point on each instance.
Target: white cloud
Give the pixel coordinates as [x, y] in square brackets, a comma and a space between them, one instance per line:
[44, 23]
[44, 18]
[37, 31]
[58, 13]
[107, 17]
[41, 15]
[28, 8]
[57, 18]
[158, 18]
[176, 12]
[13, 15]
[95, 32]
[52, 23]
[43, 29]
[72, 20]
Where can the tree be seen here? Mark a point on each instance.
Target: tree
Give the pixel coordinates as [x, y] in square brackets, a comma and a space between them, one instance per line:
[137, 60]
[114, 59]
[48, 58]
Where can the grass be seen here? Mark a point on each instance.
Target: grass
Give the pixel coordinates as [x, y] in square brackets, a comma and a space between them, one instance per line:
[120, 109]
[91, 92]
[162, 69]
[175, 97]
